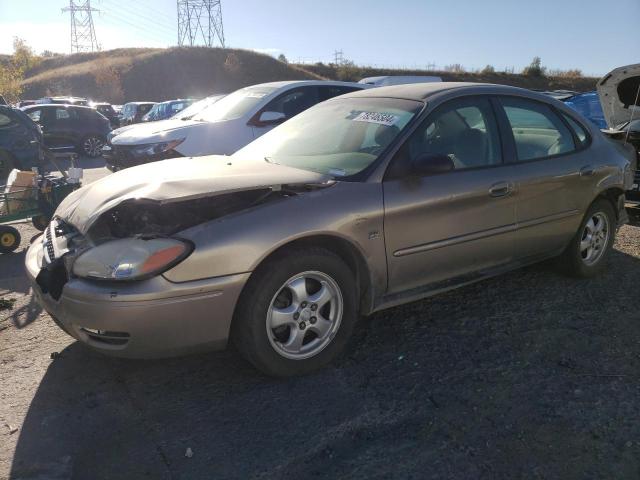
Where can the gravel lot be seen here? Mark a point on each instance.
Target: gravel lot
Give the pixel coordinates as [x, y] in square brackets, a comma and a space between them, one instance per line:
[530, 375]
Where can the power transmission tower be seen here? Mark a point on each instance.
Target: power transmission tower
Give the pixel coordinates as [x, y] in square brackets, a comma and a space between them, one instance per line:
[83, 33]
[200, 22]
[338, 56]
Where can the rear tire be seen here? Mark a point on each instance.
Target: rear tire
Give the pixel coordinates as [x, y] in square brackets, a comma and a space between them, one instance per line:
[587, 253]
[9, 239]
[91, 146]
[296, 313]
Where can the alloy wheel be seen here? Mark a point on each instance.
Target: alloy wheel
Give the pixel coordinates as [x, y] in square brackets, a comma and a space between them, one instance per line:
[93, 146]
[304, 315]
[595, 238]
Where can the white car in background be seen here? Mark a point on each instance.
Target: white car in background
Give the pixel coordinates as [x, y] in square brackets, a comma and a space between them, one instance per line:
[223, 127]
[389, 80]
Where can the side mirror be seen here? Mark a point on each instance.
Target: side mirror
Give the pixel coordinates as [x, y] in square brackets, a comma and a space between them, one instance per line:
[431, 163]
[271, 117]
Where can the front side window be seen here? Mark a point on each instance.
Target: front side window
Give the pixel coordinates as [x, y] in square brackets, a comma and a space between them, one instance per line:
[537, 131]
[464, 130]
[339, 137]
[294, 102]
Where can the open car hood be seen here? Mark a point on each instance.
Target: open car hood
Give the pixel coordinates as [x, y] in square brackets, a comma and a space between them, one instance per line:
[618, 93]
[177, 180]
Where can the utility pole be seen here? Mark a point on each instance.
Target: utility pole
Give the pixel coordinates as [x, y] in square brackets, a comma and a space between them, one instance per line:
[338, 57]
[200, 22]
[83, 32]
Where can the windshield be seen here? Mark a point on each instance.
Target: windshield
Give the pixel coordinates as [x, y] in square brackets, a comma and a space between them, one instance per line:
[234, 105]
[339, 137]
[197, 107]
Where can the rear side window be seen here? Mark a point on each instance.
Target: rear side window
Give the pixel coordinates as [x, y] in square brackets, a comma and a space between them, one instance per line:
[537, 131]
[581, 133]
[66, 114]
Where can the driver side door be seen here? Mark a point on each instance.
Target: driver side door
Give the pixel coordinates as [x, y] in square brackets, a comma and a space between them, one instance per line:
[451, 226]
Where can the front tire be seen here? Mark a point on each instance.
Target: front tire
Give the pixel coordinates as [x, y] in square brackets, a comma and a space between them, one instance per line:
[586, 254]
[296, 313]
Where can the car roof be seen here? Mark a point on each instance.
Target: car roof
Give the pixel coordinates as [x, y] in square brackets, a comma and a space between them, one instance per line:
[140, 103]
[292, 83]
[421, 91]
[56, 105]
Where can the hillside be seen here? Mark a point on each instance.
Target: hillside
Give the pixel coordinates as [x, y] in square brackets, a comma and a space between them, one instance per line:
[155, 74]
[161, 74]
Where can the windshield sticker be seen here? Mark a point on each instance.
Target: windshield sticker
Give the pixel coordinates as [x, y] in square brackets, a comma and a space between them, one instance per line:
[387, 119]
[337, 172]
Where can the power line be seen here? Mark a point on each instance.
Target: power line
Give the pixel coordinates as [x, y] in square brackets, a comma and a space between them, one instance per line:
[83, 33]
[200, 22]
[158, 19]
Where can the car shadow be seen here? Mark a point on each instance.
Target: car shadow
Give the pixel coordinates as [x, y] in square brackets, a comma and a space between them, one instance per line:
[531, 372]
[12, 276]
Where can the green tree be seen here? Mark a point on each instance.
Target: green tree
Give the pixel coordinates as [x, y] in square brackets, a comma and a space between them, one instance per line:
[12, 71]
[23, 55]
[282, 58]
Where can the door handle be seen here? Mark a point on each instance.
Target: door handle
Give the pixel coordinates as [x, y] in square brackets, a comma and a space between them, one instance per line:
[500, 189]
[587, 171]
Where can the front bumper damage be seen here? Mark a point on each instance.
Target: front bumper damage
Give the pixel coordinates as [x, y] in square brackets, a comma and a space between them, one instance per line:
[146, 319]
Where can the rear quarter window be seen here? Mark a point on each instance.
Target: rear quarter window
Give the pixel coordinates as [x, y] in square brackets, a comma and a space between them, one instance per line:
[578, 129]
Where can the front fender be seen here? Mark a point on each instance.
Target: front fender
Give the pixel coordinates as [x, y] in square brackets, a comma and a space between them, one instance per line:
[239, 242]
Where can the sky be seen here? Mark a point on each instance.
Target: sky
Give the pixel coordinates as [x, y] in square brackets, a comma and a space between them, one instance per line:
[566, 34]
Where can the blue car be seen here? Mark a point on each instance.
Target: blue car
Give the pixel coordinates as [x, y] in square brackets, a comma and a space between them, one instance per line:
[588, 104]
[20, 140]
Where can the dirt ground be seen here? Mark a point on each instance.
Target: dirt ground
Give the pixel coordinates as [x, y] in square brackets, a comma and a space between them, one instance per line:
[529, 375]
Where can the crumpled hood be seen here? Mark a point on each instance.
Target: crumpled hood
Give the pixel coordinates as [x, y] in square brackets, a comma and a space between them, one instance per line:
[150, 132]
[618, 91]
[176, 180]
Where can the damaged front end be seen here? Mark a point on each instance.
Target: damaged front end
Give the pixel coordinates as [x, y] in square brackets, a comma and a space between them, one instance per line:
[139, 238]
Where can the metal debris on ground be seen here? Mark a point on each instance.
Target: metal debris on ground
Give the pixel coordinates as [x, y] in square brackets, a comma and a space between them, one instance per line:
[7, 303]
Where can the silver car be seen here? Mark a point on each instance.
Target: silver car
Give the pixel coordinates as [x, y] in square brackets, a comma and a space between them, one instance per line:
[361, 203]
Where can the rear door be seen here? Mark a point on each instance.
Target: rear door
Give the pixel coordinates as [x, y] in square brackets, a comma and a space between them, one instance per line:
[553, 173]
[444, 227]
[62, 127]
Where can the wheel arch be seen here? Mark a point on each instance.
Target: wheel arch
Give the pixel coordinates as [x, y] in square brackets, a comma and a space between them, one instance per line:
[615, 196]
[345, 249]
